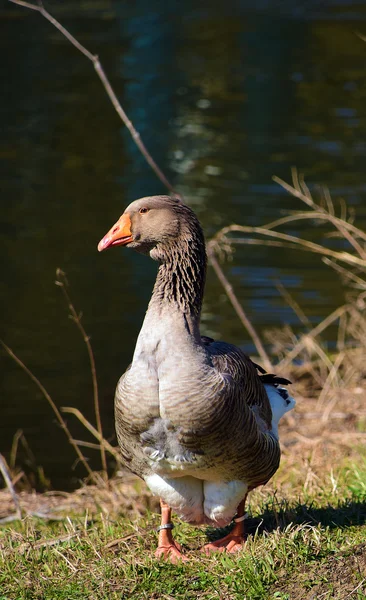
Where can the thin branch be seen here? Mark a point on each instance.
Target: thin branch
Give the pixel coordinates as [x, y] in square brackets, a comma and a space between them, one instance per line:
[346, 274]
[311, 334]
[239, 310]
[328, 200]
[103, 442]
[293, 304]
[61, 282]
[316, 215]
[14, 448]
[107, 86]
[303, 244]
[363, 580]
[295, 191]
[51, 403]
[87, 444]
[9, 485]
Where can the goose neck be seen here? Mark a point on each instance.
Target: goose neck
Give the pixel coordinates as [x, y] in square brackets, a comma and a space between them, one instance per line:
[180, 280]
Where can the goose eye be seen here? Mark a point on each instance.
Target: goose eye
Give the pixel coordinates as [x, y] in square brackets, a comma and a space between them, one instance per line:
[142, 211]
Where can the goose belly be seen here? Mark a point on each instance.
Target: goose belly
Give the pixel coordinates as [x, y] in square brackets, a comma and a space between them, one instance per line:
[198, 501]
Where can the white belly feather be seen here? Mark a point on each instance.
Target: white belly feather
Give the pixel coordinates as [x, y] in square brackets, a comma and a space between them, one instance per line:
[211, 502]
[198, 501]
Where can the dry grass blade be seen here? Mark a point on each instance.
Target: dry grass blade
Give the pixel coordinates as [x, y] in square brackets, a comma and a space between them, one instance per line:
[333, 376]
[61, 282]
[87, 444]
[221, 238]
[311, 334]
[312, 347]
[26, 546]
[315, 215]
[14, 448]
[102, 441]
[293, 304]
[347, 275]
[9, 484]
[118, 541]
[68, 562]
[357, 586]
[301, 191]
[53, 406]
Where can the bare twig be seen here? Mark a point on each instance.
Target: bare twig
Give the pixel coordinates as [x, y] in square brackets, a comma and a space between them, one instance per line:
[311, 334]
[363, 580]
[315, 216]
[293, 304]
[68, 562]
[9, 484]
[52, 404]
[307, 198]
[61, 282]
[103, 442]
[341, 336]
[107, 86]
[87, 444]
[118, 541]
[312, 346]
[346, 257]
[239, 310]
[333, 376]
[14, 448]
[346, 273]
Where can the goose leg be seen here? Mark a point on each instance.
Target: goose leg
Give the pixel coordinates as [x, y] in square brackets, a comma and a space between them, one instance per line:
[168, 548]
[233, 542]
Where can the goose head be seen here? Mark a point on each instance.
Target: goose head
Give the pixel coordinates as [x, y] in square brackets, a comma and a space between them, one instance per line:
[153, 224]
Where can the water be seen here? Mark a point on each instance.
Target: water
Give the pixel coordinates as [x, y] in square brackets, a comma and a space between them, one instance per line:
[225, 96]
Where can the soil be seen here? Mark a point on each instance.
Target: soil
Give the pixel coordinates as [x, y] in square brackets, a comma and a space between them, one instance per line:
[341, 577]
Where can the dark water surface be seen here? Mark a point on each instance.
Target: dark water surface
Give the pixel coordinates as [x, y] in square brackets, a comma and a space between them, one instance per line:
[224, 96]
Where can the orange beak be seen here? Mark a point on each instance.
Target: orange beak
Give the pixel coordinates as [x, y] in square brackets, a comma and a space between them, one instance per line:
[119, 235]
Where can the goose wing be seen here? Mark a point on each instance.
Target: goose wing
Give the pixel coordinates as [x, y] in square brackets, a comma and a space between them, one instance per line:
[230, 361]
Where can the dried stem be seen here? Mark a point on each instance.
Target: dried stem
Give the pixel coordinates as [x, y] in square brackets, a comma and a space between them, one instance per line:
[5, 473]
[294, 241]
[310, 335]
[102, 441]
[315, 215]
[307, 198]
[14, 448]
[52, 404]
[293, 304]
[61, 282]
[107, 86]
[347, 275]
[238, 308]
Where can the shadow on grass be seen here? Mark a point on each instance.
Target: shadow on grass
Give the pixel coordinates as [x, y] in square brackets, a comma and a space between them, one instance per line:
[280, 515]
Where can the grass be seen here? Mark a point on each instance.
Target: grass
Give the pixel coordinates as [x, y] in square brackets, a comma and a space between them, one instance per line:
[305, 543]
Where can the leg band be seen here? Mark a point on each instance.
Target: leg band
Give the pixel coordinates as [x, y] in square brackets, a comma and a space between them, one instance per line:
[240, 519]
[166, 526]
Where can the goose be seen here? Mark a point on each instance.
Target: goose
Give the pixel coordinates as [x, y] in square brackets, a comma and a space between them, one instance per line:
[195, 418]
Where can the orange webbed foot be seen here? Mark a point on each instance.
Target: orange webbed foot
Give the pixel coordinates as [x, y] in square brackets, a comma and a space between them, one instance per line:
[231, 543]
[168, 549]
[235, 540]
[172, 553]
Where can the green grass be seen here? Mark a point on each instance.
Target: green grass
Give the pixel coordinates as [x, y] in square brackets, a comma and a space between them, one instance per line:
[310, 548]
